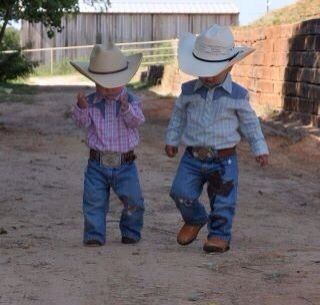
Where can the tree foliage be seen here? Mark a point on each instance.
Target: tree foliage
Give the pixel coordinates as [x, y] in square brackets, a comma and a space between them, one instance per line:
[48, 12]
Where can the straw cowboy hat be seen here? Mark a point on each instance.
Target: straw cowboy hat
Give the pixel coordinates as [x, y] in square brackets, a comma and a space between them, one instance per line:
[108, 66]
[210, 53]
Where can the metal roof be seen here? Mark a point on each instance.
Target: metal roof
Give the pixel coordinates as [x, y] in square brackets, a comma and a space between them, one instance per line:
[164, 6]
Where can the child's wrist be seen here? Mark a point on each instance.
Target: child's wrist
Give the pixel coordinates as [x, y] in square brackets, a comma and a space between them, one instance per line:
[81, 106]
[124, 107]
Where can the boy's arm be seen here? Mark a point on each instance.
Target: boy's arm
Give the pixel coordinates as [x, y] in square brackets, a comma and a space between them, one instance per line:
[80, 112]
[250, 127]
[131, 112]
[177, 123]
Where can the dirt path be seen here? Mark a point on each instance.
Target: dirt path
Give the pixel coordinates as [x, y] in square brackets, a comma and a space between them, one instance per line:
[275, 255]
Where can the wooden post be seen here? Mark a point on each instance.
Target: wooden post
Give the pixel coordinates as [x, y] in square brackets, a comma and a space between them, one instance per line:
[51, 60]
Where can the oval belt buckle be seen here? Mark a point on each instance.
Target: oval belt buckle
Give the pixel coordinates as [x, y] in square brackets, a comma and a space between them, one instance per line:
[111, 159]
[202, 153]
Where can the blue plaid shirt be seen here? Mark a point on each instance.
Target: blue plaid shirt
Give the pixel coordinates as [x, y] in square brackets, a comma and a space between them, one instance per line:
[214, 117]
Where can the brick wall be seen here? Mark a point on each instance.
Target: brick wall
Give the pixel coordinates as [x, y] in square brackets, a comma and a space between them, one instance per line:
[283, 73]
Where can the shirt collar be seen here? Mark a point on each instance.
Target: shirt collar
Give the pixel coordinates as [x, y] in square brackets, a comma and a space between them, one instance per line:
[98, 97]
[226, 84]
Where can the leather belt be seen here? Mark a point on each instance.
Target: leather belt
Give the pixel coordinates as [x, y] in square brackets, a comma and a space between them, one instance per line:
[204, 153]
[112, 159]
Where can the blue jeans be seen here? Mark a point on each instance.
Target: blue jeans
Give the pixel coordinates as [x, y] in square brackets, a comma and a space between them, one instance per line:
[188, 184]
[125, 183]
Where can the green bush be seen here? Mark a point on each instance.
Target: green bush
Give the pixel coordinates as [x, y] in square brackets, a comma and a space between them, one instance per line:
[13, 65]
[11, 39]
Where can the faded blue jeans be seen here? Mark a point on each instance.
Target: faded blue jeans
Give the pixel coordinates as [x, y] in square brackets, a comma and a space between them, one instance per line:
[125, 183]
[188, 184]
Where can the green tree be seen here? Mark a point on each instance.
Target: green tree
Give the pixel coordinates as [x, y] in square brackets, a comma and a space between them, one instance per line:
[48, 12]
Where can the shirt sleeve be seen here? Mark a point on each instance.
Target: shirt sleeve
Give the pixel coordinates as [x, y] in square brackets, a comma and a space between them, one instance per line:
[251, 129]
[177, 123]
[81, 116]
[133, 116]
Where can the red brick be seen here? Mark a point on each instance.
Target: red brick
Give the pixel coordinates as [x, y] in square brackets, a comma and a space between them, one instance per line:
[281, 45]
[242, 70]
[249, 60]
[270, 99]
[252, 85]
[268, 45]
[264, 86]
[304, 59]
[275, 73]
[298, 104]
[303, 90]
[258, 58]
[262, 72]
[254, 97]
[244, 81]
[287, 30]
[279, 59]
[308, 27]
[277, 87]
[270, 32]
[236, 71]
[268, 59]
[258, 45]
[300, 74]
[304, 43]
[257, 34]
[282, 72]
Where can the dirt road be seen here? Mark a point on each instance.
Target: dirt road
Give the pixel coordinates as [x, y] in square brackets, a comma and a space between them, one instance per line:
[275, 254]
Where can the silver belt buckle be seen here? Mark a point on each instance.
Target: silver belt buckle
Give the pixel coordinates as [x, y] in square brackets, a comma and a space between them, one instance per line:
[204, 153]
[110, 159]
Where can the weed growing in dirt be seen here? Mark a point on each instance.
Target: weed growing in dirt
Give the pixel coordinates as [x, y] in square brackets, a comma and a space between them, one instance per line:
[17, 92]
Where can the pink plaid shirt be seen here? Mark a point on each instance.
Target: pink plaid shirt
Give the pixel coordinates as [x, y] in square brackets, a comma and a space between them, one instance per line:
[108, 128]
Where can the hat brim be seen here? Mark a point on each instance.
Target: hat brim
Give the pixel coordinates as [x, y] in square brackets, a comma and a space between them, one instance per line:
[111, 80]
[191, 65]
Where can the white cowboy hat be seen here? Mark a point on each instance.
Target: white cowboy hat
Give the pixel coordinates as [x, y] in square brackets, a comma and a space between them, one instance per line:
[108, 66]
[210, 53]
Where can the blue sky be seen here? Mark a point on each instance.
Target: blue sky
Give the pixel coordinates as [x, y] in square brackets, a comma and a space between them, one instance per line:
[251, 10]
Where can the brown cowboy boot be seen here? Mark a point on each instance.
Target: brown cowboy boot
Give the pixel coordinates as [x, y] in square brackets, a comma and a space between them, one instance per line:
[188, 233]
[215, 244]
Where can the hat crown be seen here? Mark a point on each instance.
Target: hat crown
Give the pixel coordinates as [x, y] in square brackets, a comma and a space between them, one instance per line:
[214, 43]
[107, 58]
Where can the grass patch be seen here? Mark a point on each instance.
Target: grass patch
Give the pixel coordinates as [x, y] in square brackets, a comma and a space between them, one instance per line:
[15, 92]
[17, 88]
[61, 68]
[299, 11]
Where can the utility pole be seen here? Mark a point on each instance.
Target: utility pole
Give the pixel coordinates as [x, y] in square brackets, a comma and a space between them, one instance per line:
[268, 5]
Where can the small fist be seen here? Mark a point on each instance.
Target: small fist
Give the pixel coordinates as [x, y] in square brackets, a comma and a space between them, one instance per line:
[262, 160]
[123, 100]
[82, 102]
[171, 151]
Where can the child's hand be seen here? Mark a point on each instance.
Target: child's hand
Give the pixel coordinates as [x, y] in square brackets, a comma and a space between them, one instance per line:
[171, 151]
[123, 100]
[262, 160]
[82, 102]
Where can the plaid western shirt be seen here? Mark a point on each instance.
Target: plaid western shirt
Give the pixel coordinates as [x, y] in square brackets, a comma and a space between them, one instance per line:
[108, 128]
[214, 117]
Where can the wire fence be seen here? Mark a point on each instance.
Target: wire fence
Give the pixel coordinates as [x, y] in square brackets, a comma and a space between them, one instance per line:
[154, 52]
